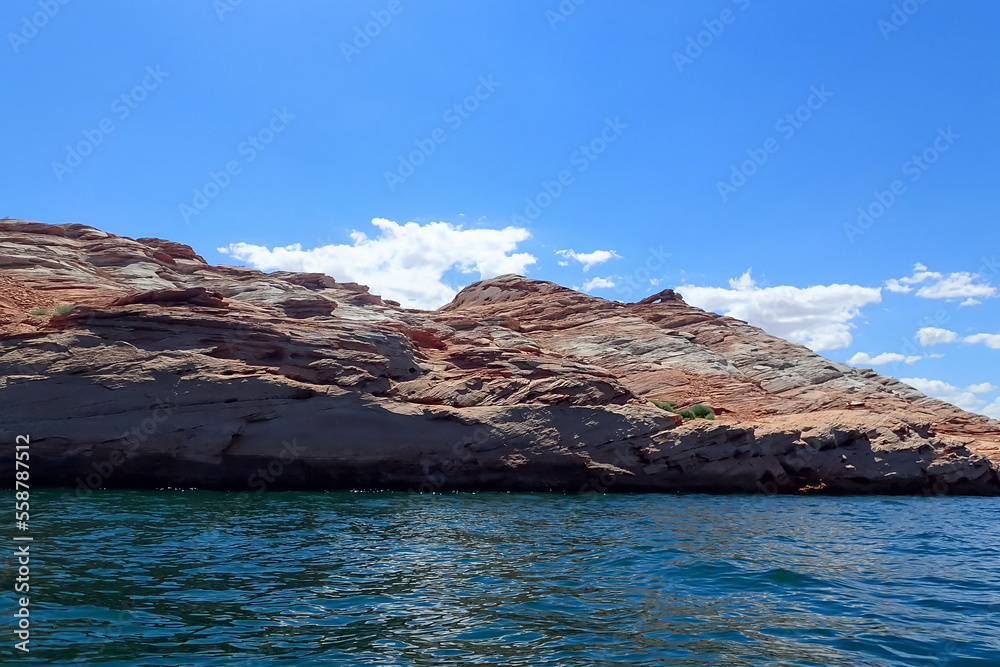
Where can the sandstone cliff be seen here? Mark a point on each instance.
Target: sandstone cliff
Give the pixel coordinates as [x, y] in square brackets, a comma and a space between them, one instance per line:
[169, 372]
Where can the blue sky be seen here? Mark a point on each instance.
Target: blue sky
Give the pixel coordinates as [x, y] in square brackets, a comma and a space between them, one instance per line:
[620, 130]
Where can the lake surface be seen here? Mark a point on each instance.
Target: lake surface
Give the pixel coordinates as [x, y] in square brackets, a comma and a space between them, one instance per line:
[201, 578]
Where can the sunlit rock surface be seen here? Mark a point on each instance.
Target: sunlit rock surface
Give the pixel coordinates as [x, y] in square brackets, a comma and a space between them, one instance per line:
[169, 372]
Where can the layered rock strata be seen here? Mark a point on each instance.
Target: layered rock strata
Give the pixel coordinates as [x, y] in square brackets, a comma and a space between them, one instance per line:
[168, 372]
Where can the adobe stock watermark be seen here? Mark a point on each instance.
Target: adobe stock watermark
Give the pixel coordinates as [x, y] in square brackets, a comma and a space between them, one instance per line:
[915, 167]
[223, 7]
[461, 455]
[901, 13]
[139, 433]
[581, 158]
[122, 106]
[454, 116]
[115, 629]
[290, 453]
[634, 283]
[800, 457]
[908, 347]
[787, 125]
[607, 477]
[713, 30]
[31, 25]
[249, 148]
[989, 267]
[562, 12]
[381, 18]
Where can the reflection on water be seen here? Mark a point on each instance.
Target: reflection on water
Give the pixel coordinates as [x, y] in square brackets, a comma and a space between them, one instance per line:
[167, 578]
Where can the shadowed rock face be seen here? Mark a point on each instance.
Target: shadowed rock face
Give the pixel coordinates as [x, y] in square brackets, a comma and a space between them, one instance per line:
[170, 372]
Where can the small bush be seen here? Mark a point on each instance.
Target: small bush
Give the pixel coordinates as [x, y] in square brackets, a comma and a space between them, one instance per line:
[702, 410]
[696, 411]
[39, 311]
[65, 308]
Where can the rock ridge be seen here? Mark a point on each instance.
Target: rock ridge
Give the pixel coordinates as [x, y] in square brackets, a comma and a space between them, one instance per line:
[151, 368]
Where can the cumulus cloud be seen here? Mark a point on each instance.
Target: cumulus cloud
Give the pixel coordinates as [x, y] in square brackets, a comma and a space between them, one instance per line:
[588, 259]
[991, 340]
[895, 286]
[957, 285]
[744, 282]
[935, 336]
[406, 263]
[964, 398]
[934, 285]
[863, 359]
[920, 274]
[820, 317]
[993, 409]
[598, 283]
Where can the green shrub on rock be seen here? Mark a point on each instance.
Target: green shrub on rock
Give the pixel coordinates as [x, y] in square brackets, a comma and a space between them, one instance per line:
[65, 308]
[39, 311]
[696, 411]
[702, 410]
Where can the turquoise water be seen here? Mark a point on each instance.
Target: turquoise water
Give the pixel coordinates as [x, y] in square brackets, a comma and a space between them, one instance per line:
[200, 578]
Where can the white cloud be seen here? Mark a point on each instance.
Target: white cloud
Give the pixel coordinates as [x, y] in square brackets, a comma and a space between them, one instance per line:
[934, 336]
[920, 274]
[588, 259]
[863, 359]
[991, 340]
[993, 409]
[598, 283]
[894, 286]
[936, 285]
[963, 398]
[404, 262]
[744, 282]
[957, 285]
[970, 302]
[819, 317]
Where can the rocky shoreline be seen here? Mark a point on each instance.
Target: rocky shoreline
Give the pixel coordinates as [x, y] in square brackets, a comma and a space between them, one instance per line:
[150, 368]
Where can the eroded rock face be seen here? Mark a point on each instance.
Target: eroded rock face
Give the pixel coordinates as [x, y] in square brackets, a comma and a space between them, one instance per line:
[169, 372]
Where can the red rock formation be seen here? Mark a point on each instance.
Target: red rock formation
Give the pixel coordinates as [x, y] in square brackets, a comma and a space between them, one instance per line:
[172, 372]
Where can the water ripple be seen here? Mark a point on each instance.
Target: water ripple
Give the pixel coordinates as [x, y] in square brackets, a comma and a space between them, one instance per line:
[167, 578]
